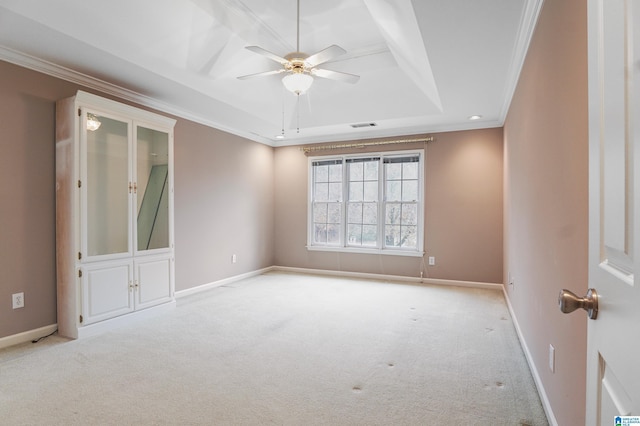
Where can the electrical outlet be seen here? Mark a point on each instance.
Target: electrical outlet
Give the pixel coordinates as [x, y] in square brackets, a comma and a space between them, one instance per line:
[552, 358]
[432, 260]
[234, 258]
[17, 300]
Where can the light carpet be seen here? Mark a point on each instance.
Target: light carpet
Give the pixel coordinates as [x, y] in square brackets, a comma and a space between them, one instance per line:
[286, 349]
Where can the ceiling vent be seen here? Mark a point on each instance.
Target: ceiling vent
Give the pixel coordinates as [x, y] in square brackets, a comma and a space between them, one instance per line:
[361, 125]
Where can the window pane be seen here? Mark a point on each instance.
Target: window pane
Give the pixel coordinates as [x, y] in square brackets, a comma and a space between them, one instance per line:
[410, 170]
[335, 192]
[394, 191]
[335, 173]
[371, 191]
[354, 215]
[409, 214]
[409, 190]
[356, 171]
[322, 173]
[409, 237]
[369, 235]
[392, 236]
[394, 171]
[333, 234]
[355, 191]
[370, 213]
[355, 234]
[320, 233]
[334, 213]
[320, 212]
[321, 192]
[392, 216]
[371, 170]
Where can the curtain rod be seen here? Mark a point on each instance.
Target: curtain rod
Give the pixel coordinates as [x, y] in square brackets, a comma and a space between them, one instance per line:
[363, 144]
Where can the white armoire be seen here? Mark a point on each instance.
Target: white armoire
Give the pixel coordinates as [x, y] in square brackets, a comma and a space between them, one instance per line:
[114, 213]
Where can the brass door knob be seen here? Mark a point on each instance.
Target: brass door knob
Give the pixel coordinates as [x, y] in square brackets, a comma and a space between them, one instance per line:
[569, 302]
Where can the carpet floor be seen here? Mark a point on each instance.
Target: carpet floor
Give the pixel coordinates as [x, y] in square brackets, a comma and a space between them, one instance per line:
[286, 349]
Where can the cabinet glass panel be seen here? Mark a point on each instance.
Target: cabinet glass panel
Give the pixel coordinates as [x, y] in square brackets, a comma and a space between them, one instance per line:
[152, 167]
[107, 186]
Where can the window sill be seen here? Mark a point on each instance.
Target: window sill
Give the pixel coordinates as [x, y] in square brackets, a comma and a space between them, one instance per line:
[385, 252]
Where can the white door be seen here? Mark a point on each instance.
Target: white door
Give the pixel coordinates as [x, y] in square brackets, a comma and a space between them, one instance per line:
[106, 290]
[153, 281]
[613, 354]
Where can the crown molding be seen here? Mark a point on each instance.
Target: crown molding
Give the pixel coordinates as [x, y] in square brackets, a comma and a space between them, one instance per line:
[45, 67]
[527, 26]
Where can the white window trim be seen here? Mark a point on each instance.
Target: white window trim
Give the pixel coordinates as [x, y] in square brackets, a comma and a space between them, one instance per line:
[343, 247]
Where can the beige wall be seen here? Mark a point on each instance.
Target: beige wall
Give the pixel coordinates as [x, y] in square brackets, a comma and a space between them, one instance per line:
[27, 197]
[223, 200]
[224, 205]
[463, 212]
[546, 216]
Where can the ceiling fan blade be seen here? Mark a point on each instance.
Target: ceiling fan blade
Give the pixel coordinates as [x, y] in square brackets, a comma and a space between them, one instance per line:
[260, 74]
[325, 55]
[267, 54]
[336, 75]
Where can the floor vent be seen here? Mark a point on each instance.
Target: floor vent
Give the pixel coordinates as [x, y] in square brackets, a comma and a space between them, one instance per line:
[361, 125]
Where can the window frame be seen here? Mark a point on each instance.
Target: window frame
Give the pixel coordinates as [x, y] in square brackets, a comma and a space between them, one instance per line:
[381, 247]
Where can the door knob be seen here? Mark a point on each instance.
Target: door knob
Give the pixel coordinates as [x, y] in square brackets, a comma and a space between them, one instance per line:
[569, 302]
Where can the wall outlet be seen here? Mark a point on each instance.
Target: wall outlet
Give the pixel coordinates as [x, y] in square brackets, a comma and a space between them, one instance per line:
[234, 258]
[17, 300]
[552, 358]
[432, 260]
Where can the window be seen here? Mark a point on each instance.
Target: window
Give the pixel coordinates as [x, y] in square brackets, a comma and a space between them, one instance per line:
[368, 204]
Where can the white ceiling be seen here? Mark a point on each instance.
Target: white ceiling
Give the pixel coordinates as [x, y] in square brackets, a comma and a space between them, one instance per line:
[424, 65]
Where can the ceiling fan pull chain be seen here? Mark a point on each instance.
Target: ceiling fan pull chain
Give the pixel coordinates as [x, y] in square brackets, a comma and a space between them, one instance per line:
[298, 108]
[283, 95]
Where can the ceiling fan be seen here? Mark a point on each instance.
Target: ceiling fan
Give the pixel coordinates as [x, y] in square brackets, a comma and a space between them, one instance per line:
[300, 68]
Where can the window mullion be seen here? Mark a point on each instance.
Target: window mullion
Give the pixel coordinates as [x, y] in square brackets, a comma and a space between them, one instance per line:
[381, 203]
[345, 202]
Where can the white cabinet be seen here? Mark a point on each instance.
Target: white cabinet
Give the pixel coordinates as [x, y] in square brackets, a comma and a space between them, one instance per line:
[114, 212]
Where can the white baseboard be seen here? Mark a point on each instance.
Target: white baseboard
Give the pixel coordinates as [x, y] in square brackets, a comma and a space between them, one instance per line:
[362, 275]
[534, 370]
[214, 284]
[415, 280]
[27, 336]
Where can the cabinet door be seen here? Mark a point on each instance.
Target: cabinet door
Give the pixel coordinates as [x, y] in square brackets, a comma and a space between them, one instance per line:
[106, 187]
[153, 281]
[107, 290]
[152, 190]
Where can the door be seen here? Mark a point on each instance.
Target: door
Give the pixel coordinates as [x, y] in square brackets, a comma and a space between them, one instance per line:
[152, 215]
[106, 186]
[107, 289]
[153, 281]
[613, 353]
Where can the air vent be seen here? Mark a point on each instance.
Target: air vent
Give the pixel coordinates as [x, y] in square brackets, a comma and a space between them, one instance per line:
[361, 125]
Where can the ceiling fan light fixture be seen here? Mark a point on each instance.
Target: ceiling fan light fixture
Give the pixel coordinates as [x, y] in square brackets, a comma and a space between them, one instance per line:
[297, 83]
